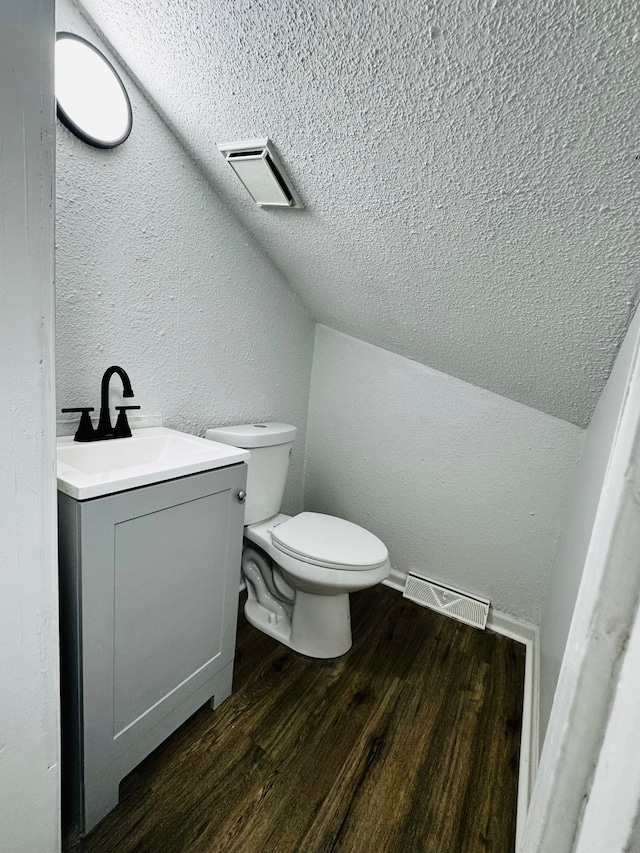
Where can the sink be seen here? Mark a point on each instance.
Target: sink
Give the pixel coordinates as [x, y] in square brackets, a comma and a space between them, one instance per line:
[153, 455]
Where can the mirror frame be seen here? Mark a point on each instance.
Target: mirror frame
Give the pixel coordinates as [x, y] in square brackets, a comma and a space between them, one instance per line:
[72, 125]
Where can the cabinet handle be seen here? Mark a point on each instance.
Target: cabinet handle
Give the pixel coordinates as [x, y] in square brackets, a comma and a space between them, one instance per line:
[241, 496]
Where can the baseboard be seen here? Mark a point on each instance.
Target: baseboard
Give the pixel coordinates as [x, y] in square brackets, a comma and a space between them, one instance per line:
[528, 634]
[396, 580]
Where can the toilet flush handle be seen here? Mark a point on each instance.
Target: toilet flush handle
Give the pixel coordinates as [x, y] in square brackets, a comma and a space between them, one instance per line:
[241, 496]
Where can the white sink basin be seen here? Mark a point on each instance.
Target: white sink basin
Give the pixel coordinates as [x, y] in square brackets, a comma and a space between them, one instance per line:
[97, 468]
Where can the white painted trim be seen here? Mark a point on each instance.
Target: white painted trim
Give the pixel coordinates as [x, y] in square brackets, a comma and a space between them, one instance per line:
[529, 635]
[29, 632]
[611, 816]
[566, 804]
[396, 580]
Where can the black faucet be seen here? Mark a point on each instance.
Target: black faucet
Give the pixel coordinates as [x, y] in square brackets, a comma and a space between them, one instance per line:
[104, 428]
[86, 432]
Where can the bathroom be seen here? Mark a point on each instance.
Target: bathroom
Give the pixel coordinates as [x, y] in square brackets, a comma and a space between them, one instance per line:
[224, 313]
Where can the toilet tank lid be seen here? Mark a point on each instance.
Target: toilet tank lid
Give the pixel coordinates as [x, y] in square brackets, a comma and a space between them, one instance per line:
[253, 435]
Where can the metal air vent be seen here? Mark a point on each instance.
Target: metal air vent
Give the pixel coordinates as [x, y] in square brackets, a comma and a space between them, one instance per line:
[459, 605]
[256, 164]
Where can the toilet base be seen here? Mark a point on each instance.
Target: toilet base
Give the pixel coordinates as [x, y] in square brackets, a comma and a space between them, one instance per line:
[320, 626]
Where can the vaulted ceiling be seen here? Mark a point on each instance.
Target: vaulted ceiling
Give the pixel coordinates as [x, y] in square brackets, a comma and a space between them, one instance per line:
[466, 167]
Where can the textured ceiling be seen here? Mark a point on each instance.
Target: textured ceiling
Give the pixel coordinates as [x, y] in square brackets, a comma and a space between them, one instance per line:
[467, 168]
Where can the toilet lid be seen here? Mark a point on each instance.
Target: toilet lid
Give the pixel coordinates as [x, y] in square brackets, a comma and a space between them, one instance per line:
[324, 540]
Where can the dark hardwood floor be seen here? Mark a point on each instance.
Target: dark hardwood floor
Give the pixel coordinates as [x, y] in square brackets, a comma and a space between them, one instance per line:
[407, 744]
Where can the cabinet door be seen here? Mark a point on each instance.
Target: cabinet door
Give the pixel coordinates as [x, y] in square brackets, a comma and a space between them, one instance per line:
[160, 576]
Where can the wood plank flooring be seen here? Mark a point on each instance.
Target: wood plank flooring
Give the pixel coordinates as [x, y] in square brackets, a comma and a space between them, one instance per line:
[407, 744]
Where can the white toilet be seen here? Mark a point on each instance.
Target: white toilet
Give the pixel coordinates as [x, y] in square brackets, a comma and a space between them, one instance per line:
[300, 575]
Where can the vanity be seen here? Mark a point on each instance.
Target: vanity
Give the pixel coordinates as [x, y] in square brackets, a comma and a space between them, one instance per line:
[150, 542]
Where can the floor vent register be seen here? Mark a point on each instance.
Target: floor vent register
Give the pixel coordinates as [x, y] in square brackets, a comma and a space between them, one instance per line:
[458, 605]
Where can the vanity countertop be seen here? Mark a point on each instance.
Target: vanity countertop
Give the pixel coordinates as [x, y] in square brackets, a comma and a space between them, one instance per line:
[153, 455]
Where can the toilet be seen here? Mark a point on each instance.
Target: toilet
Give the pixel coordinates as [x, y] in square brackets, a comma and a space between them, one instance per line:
[299, 570]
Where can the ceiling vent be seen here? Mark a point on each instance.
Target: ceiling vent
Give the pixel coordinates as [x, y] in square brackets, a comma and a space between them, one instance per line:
[256, 163]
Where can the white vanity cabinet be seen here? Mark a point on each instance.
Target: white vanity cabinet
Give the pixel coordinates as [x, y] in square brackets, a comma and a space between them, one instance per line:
[149, 583]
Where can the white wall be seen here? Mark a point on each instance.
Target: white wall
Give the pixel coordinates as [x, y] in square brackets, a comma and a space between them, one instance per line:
[29, 691]
[154, 273]
[463, 485]
[576, 535]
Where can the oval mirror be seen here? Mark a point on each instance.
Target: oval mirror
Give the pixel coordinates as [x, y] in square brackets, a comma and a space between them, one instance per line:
[92, 101]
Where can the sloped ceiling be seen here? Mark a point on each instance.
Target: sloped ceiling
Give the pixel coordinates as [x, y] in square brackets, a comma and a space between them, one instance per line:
[467, 168]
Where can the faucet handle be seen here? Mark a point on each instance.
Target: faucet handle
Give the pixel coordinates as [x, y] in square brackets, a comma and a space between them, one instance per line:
[85, 431]
[122, 428]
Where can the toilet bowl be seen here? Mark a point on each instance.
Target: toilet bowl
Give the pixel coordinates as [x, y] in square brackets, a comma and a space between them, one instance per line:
[312, 587]
[299, 570]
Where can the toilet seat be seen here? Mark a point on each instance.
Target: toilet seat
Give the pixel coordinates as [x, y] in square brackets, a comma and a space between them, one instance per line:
[329, 542]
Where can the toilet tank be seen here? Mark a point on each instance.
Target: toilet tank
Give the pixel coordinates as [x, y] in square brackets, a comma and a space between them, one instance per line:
[270, 447]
